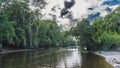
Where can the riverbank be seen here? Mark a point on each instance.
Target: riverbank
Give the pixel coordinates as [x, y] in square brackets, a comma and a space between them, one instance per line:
[4, 51]
[18, 50]
[112, 57]
[12, 51]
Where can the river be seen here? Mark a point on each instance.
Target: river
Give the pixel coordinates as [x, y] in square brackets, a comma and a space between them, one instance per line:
[52, 58]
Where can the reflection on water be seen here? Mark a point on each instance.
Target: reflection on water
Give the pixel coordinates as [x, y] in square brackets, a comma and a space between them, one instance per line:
[52, 58]
[94, 61]
[71, 59]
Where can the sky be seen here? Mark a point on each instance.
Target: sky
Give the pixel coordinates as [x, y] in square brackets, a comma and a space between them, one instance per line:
[90, 9]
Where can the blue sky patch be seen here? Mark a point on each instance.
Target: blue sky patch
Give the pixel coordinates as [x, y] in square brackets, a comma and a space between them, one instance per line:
[111, 2]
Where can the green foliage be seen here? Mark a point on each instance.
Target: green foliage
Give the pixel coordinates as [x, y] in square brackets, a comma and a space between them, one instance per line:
[84, 31]
[69, 42]
[7, 31]
[110, 40]
[103, 34]
[49, 34]
[20, 27]
[20, 38]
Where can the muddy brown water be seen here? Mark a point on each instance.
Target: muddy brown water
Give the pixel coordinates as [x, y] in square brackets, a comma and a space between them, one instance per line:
[53, 58]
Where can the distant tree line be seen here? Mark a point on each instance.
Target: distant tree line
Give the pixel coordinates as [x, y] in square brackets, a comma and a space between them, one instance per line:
[103, 34]
[20, 27]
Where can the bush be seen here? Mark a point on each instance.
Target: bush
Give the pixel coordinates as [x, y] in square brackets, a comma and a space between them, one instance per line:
[110, 40]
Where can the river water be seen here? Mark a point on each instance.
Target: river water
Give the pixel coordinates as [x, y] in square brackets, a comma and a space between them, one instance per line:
[53, 58]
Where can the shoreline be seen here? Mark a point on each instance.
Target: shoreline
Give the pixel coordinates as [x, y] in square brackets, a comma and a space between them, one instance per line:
[112, 57]
[20, 50]
[13, 51]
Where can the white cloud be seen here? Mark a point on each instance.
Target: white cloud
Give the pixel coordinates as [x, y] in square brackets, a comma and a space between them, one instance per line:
[79, 10]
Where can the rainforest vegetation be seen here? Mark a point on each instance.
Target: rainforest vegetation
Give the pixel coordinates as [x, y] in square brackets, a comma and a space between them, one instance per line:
[22, 28]
[103, 34]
